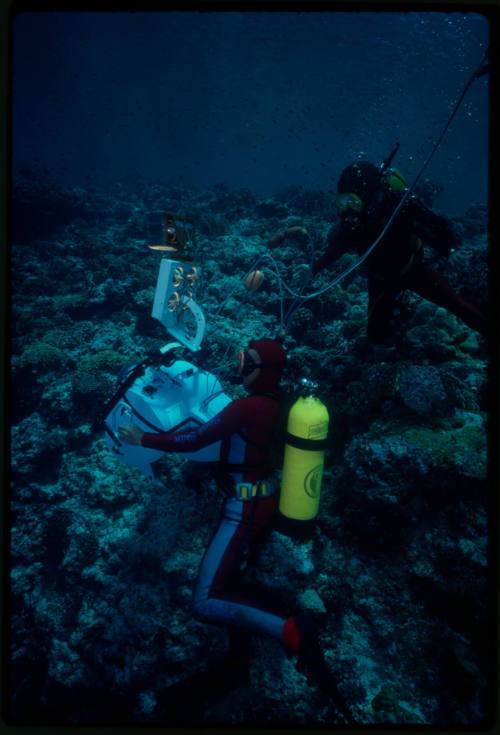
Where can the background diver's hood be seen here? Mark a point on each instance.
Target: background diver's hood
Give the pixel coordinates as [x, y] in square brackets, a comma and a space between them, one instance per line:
[268, 379]
[361, 178]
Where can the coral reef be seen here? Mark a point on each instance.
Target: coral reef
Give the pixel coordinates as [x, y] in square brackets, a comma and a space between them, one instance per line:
[103, 562]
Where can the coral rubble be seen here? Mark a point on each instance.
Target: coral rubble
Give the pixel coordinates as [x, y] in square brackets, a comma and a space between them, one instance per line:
[103, 562]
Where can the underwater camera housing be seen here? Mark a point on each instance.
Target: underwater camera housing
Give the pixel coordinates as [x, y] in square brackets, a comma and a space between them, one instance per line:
[174, 305]
[178, 280]
[162, 393]
[172, 396]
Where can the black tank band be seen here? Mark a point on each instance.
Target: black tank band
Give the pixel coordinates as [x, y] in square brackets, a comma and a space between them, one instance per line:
[312, 445]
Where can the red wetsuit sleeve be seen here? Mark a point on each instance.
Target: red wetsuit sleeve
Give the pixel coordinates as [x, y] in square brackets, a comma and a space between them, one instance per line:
[225, 423]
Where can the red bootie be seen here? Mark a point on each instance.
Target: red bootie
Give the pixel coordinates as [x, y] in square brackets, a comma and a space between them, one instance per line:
[290, 636]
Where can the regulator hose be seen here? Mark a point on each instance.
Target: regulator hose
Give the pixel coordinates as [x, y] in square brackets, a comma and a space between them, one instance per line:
[482, 69]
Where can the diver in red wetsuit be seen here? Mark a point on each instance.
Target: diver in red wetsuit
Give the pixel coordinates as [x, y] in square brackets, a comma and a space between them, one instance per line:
[244, 428]
[365, 203]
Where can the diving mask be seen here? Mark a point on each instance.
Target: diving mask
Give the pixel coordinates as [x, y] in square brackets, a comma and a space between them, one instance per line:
[247, 363]
[348, 203]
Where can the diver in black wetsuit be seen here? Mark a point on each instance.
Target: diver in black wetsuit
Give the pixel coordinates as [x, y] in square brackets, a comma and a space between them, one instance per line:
[366, 200]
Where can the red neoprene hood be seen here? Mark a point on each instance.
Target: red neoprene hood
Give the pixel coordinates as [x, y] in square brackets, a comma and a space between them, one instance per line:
[270, 352]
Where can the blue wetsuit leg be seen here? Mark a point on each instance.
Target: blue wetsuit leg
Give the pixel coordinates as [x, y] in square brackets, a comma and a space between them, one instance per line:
[214, 601]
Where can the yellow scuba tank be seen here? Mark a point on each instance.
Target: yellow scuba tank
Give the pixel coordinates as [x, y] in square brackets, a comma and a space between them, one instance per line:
[305, 444]
[394, 179]
[390, 176]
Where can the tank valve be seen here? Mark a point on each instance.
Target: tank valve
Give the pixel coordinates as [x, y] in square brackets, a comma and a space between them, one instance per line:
[308, 387]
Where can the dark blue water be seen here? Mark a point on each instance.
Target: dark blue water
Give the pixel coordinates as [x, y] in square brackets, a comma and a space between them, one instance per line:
[102, 561]
[254, 99]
